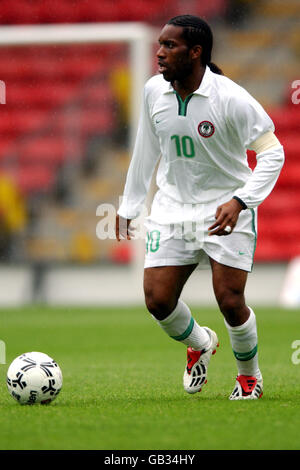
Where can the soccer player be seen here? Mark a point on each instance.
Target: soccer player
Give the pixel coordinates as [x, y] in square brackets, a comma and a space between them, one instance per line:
[199, 124]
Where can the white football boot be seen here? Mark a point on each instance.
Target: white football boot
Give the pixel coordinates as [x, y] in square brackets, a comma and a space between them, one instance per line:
[195, 374]
[247, 388]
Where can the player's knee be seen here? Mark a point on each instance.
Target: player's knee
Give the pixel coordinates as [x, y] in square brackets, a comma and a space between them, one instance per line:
[230, 303]
[159, 304]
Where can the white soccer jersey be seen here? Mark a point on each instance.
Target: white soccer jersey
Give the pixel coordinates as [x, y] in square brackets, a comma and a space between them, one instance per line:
[202, 142]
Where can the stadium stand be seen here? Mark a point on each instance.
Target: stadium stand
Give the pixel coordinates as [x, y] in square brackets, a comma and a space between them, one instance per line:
[265, 61]
[79, 11]
[64, 105]
[47, 104]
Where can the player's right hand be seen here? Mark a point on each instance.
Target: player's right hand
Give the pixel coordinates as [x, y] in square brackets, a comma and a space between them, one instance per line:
[122, 226]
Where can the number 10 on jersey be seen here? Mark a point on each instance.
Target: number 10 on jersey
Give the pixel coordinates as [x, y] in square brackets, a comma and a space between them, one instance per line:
[184, 146]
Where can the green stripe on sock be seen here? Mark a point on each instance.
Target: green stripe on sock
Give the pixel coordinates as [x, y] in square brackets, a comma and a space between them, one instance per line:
[186, 333]
[245, 356]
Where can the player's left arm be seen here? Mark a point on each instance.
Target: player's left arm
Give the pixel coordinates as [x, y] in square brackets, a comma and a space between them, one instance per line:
[255, 131]
[270, 159]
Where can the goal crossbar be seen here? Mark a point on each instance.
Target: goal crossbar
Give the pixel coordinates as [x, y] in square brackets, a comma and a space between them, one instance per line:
[139, 37]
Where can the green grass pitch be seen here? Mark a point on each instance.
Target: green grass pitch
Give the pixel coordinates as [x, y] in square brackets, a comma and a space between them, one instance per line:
[123, 384]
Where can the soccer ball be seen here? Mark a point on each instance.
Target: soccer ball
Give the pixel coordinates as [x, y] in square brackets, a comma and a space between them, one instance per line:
[34, 377]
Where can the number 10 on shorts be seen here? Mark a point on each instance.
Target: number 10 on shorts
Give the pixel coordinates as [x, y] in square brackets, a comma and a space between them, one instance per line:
[152, 241]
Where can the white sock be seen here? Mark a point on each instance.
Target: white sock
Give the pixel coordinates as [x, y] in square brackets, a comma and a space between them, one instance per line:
[243, 339]
[181, 326]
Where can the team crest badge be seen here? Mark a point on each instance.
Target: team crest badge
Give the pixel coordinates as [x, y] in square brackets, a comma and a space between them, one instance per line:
[206, 129]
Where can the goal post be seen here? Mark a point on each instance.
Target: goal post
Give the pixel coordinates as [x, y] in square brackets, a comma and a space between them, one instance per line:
[138, 36]
[139, 39]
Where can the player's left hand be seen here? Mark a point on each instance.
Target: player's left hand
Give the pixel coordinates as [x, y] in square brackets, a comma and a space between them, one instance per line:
[226, 216]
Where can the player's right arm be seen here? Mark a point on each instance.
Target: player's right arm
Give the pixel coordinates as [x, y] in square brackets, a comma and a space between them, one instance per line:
[144, 158]
[122, 228]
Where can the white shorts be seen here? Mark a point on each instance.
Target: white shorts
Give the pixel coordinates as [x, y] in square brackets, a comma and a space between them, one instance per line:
[188, 242]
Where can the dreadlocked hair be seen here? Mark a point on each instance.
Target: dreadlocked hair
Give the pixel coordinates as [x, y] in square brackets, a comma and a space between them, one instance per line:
[197, 32]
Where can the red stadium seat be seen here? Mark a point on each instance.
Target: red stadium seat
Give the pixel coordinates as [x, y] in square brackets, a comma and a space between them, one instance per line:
[43, 82]
[30, 120]
[42, 95]
[34, 179]
[269, 249]
[276, 249]
[51, 64]
[49, 150]
[281, 200]
[140, 10]
[66, 11]
[290, 175]
[20, 12]
[7, 145]
[291, 145]
[86, 122]
[104, 11]
[79, 67]
[284, 224]
[21, 121]
[57, 11]
[286, 120]
[97, 94]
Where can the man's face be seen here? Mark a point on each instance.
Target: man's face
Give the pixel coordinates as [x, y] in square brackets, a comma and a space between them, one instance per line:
[174, 56]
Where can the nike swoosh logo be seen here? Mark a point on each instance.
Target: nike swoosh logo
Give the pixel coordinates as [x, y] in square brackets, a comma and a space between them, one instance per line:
[157, 122]
[241, 252]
